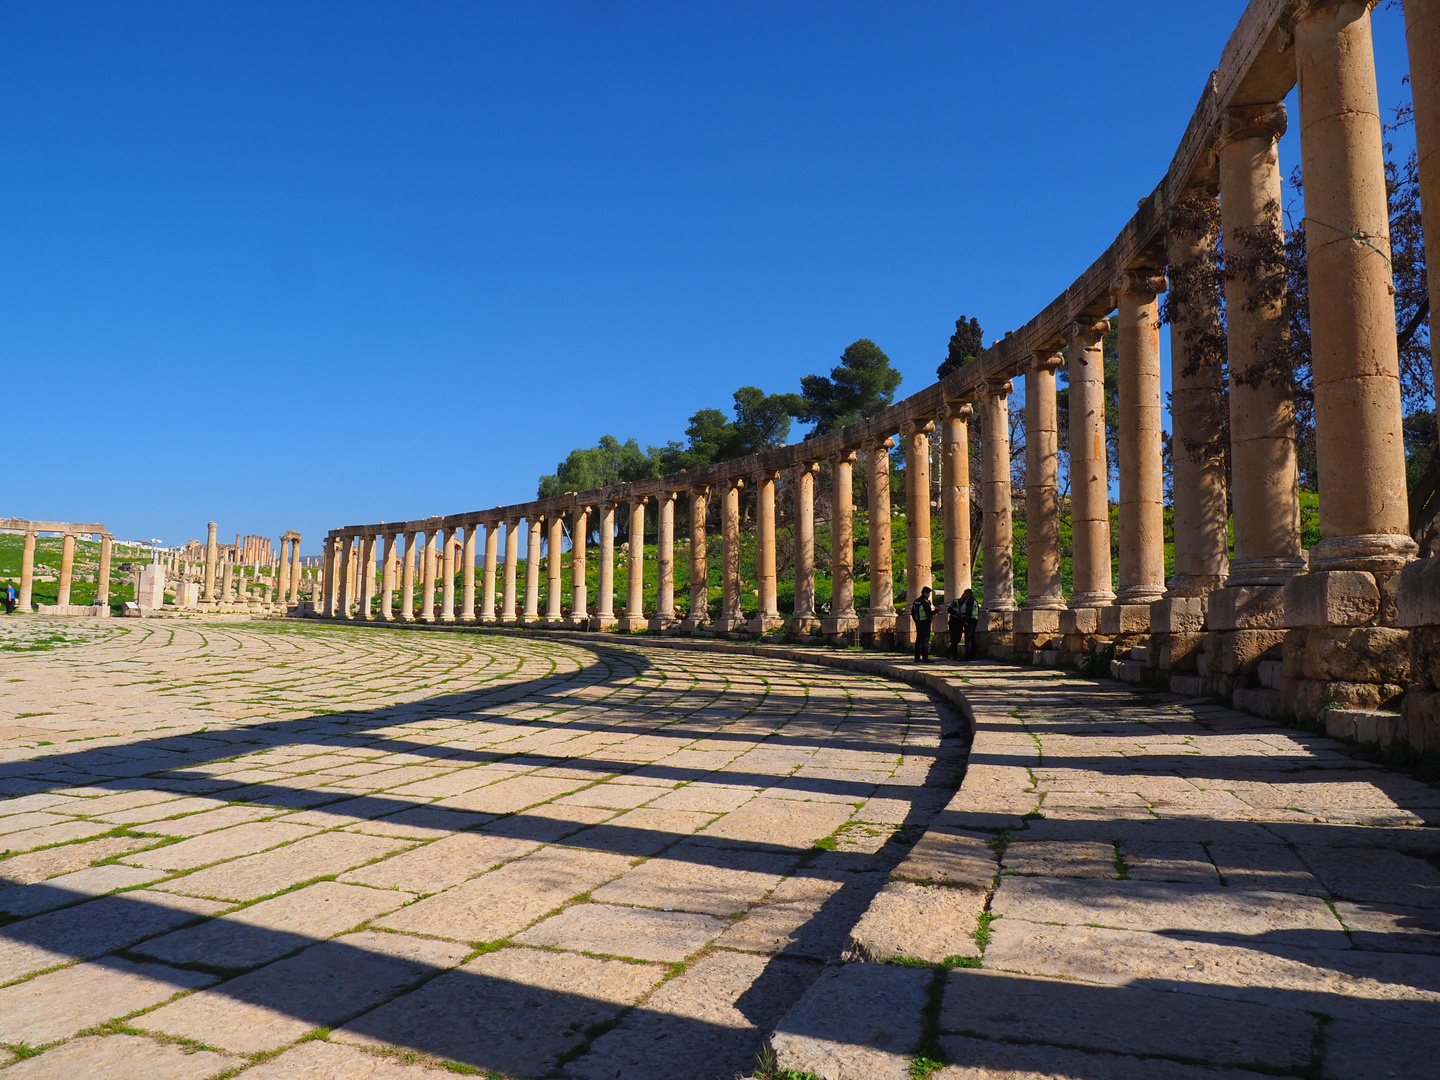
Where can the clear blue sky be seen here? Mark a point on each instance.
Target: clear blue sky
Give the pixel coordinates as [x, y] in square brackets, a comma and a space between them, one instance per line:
[298, 265]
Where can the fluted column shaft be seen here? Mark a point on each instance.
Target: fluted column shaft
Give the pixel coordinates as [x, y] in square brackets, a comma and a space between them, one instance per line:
[532, 570]
[211, 551]
[842, 536]
[1142, 453]
[999, 535]
[102, 584]
[1089, 466]
[882, 572]
[665, 560]
[387, 593]
[579, 590]
[1042, 484]
[27, 574]
[487, 585]
[1360, 454]
[512, 559]
[407, 580]
[554, 568]
[699, 613]
[606, 613]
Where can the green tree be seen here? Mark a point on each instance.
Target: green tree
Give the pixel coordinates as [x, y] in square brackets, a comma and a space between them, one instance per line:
[860, 386]
[965, 345]
[611, 462]
[761, 421]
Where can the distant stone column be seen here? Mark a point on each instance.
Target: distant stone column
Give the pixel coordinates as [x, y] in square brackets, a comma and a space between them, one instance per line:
[767, 611]
[919, 563]
[332, 577]
[699, 613]
[554, 567]
[579, 567]
[425, 554]
[604, 617]
[102, 583]
[732, 614]
[1042, 484]
[67, 566]
[664, 562]
[295, 570]
[842, 617]
[955, 493]
[227, 580]
[532, 570]
[387, 593]
[1422, 33]
[467, 574]
[635, 570]
[1359, 449]
[512, 558]
[1141, 442]
[447, 573]
[27, 574]
[211, 552]
[352, 571]
[487, 589]
[804, 620]
[407, 579]
[1089, 471]
[999, 535]
[367, 577]
[345, 576]
[880, 614]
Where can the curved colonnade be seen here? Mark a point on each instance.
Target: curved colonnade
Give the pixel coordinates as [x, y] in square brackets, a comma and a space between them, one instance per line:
[1227, 621]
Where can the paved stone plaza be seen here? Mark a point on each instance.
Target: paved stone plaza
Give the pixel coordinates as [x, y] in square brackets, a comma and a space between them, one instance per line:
[310, 851]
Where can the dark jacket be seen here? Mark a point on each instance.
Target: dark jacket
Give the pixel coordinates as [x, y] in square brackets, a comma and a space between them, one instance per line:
[922, 610]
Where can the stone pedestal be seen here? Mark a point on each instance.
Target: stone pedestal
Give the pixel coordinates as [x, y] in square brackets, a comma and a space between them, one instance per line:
[150, 593]
[1036, 630]
[1117, 619]
[996, 634]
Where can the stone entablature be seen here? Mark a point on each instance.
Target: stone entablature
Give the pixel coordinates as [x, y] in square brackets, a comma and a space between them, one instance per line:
[69, 530]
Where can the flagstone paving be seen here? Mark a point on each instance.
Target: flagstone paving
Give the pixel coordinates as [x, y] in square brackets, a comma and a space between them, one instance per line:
[297, 850]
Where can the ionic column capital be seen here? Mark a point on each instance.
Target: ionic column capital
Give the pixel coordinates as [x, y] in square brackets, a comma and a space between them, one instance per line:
[807, 468]
[1268, 121]
[921, 425]
[772, 475]
[700, 491]
[735, 482]
[1303, 9]
[668, 495]
[1087, 333]
[1143, 282]
[843, 457]
[1043, 360]
[996, 388]
[963, 411]
[874, 445]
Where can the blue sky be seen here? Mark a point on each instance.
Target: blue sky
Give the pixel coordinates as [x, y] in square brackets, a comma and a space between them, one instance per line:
[308, 264]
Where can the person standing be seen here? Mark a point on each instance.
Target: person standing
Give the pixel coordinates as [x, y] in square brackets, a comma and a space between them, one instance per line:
[922, 612]
[10, 599]
[954, 629]
[968, 620]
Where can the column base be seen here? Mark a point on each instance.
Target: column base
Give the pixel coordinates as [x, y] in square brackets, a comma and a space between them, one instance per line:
[627, 624]
[905, 630]
[1246, 607]
[1139, 595]
[804, 624]
[1264, 570]
[505, 620]
[578, 622]
[1035, 630]
[601, 622]
[730, 624]
[878, 624]
[1120, 618]
[764, 623]
[1181, 614]
[693, 623]
[1375, 552]
[661, 623]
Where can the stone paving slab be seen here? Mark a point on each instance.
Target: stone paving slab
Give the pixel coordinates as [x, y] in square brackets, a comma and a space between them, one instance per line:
[918, 922]
[856, 1022]
[323, 986]
[640, 933]
[38, 865]
[215, 846]
[122, 1057]
[254, 876]
[72, 888]
[983, 1059]
[694, 877]
[646, 831]
[446, 862]
[319, 1060]
[774, 823]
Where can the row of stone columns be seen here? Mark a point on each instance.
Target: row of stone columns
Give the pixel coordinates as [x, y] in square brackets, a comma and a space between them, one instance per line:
[67, 571]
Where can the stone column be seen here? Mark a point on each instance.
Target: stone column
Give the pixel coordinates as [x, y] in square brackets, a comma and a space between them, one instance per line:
[1037, 623]
[211, 551]
[487, 587]
[1360, 455]
[998, 540]
[804, 621]
[407, 579]
[426, 554]
[1422, 33]
[279, 575]
[352, 572]
[604, 617]
[512, 558]
[467, 574]
[635, 569]
[345, 572]
[295, 571]
[447, 573]
[227, 581]
[67, 566]
[102, 583]
[880, 614]
[554, 567]
[367, 580]
[955, 493]
[842, 618]
[732, 615]
[387, 591]
[919, 566]
[579, 591]
[533, 526]
[699, 613]
[665, 563]
[1142, 482]
[27, 574]
[1197, 409]
[334, 573]
[767, 611]
[1089, 473]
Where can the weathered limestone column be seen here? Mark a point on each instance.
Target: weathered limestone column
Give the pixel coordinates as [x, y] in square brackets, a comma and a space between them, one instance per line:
[919, 562]
[634, 618]
[387, 591]
[842, 618]
[732, 615]
[211, 551]
[1360, 455]
[804, 621]
[1037, 623]
[579, 532]
[27, 574]
[532, 570]
[1422, 33]
[102, 583]
[767, 610]
[367, 581]
[995, 613]
[604, 617]
[345, 571]
[407, 579]
[955, 493]
[334, 568]
[426, 552]
[554, 568]
[67, 567]
[699, 613]
[664, 616]
[880, 614]
[352, 571]
[295, 571]
[447, 573]
[512, 558]
[1142, 481]
[227, 582]
[467, 574]
[1089, 476]
[492, 550]
[280, 567]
